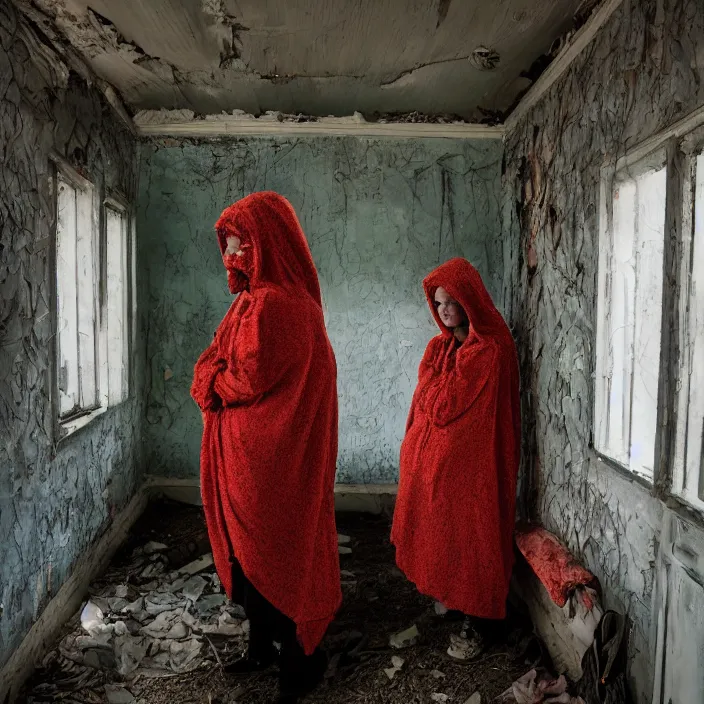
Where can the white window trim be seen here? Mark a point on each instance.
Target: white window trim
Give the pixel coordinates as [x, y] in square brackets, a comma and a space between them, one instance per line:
[66, 427]
[116, 202]
[692, 146]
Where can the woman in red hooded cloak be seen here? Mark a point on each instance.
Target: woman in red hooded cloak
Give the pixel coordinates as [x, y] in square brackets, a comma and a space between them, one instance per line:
[266, 386]
[454, 517]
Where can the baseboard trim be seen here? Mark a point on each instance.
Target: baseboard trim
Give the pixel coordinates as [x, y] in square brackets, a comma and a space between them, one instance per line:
[68, 599]
[363, 498]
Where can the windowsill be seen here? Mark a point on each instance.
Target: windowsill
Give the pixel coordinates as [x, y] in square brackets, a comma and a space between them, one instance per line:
[645, 482]
[70, 427]
[685, 510]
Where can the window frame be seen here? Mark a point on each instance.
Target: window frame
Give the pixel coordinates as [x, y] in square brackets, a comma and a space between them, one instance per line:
[692, 147]
[613, 174]
[61, 169]
[681, 142]
[118, 203]
[68, 424]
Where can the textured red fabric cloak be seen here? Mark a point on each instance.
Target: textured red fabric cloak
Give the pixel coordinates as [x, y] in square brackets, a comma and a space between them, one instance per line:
[454, 517]
[267, 389]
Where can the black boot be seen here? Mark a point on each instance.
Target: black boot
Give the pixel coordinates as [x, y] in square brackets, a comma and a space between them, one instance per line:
[256, 660]
[296, 682]
[246, 666]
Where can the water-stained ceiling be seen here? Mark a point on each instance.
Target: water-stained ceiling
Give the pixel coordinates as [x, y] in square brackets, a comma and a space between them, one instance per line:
[319, 57]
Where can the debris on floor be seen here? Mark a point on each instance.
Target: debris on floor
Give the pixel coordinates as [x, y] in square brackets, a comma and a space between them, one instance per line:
[405, 638]
[152, 622]
[157, 629]
[530, 689]
[463, 647]
[396, 665]
[160, 626]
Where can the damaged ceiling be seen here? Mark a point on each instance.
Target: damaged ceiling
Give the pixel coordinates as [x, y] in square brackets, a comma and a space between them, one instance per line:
[330, 57]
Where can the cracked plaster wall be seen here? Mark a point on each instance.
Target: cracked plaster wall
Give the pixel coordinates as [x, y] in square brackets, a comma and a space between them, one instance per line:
[379, 215]
[640, 74]
[54, 500]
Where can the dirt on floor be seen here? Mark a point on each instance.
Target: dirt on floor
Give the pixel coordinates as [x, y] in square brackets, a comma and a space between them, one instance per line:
[378, 602]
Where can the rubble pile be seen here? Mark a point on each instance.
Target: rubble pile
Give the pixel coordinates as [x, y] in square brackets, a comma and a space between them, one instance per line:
[153, 622]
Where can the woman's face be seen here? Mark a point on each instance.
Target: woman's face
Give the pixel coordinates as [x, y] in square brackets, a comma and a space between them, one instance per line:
[233, 245]
[450, 311]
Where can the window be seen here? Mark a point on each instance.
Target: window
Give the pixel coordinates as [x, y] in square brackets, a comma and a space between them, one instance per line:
[94, 301]
[629, 322]
[119, 272]
[76, 288]
[688, 480]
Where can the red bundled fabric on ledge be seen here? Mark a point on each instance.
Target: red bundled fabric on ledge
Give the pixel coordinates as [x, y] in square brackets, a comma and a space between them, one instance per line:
[553, 564]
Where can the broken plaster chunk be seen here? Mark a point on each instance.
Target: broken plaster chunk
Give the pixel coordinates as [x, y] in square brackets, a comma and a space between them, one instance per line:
[193, 588]
[99, 640]
[136, 605]
[117, 604]
[211, 602]
[439, 697]
[438, 675]
[406, 638]
[120, 628]
[176, 584]
[396, 665]
[184, 655]
[178, 631]
[129, 653]
[156, 604]
[226, 626]
[153, 547]
[198, 565]
[476, 698]
[92, 618]
[161, 625]
[118, 695]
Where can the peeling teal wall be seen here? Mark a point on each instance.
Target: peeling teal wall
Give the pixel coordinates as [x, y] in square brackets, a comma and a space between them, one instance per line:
[379, 214]
[56, 500]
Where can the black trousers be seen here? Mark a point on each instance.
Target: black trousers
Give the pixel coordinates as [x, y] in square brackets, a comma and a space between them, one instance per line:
[298, 672]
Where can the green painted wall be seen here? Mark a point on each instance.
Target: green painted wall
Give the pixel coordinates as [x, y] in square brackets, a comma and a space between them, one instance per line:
[379, 214]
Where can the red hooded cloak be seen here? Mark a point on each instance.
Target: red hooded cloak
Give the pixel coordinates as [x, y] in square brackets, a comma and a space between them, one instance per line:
[454, 516]
[267, 389]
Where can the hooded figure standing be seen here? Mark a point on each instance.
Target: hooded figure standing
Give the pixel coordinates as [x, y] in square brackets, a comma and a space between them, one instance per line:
[267, 389]
[454, 517]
